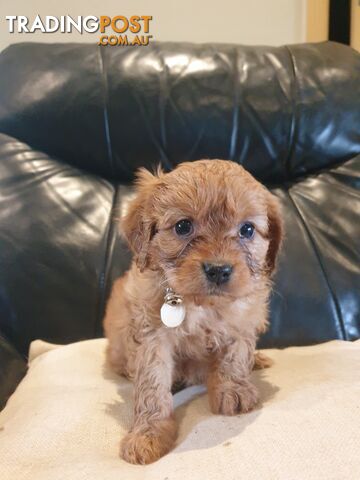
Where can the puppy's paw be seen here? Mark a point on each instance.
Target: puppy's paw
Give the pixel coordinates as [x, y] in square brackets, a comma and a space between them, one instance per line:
[146, 445]
[262, 361]
[233, 398]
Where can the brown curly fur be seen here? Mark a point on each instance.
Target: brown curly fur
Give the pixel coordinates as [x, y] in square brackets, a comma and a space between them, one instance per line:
[216, 342]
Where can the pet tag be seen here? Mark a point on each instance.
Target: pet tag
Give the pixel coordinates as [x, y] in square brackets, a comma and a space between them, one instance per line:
[172, 312]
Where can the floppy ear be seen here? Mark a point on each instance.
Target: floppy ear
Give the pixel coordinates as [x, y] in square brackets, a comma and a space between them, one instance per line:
[275, 232]
[137, 225]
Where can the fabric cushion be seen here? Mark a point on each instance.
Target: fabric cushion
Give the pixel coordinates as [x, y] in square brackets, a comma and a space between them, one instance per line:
[67, 416]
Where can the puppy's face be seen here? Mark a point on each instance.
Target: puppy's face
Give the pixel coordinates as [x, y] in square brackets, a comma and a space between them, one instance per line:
[208, 226]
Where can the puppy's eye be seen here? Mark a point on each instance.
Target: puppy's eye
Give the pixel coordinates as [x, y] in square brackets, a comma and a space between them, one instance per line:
[247, 230]
[184, 227]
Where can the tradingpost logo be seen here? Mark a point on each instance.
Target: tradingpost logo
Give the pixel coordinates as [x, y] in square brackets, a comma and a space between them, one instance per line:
[118, 30]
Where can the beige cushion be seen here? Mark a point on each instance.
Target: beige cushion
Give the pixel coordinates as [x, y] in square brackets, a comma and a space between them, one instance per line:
[68, 414]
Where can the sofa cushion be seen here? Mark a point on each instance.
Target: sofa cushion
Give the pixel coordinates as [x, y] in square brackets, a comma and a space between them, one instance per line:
[67, 416]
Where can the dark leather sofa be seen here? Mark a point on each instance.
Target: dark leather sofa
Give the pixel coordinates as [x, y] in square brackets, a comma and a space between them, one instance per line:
[77, 120]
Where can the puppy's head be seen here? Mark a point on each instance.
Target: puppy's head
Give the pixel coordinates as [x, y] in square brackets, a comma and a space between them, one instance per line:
[208, 226]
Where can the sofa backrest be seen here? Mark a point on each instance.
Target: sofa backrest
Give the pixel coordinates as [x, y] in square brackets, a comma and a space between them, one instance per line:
[78, 120]
[281, 112]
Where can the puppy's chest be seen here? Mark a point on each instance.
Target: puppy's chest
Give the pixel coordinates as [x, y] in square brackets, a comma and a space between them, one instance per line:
[203, 333]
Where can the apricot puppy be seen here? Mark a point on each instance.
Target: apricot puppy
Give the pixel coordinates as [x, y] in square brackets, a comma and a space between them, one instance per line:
[210, 232]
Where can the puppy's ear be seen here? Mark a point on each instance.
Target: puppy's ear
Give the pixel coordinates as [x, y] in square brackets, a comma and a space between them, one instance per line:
[275, 232]
[138, 225]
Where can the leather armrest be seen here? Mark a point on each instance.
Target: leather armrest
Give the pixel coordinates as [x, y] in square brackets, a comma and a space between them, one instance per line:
[12, 369]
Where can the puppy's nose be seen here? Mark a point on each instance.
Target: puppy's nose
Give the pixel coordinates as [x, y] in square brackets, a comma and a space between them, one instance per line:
[218, 274]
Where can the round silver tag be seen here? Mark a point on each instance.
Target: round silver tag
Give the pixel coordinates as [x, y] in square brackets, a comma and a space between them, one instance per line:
[172, 315]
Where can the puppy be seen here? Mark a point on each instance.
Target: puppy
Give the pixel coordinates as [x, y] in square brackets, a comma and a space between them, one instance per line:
[210, 232]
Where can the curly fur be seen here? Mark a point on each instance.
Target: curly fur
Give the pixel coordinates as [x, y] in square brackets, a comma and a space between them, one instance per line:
[216, 342]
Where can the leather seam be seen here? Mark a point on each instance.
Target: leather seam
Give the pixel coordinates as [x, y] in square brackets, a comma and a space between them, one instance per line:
[294, 122]
[340, 320]
[104, 275]
[158, 144]
[164, 89]
[106, 111]
[235, 112]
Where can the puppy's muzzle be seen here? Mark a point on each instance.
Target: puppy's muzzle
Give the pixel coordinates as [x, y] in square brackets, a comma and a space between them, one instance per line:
[218, 274]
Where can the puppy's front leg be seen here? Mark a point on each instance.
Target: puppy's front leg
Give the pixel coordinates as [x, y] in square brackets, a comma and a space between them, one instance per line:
[154, 429]
[229, 387]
